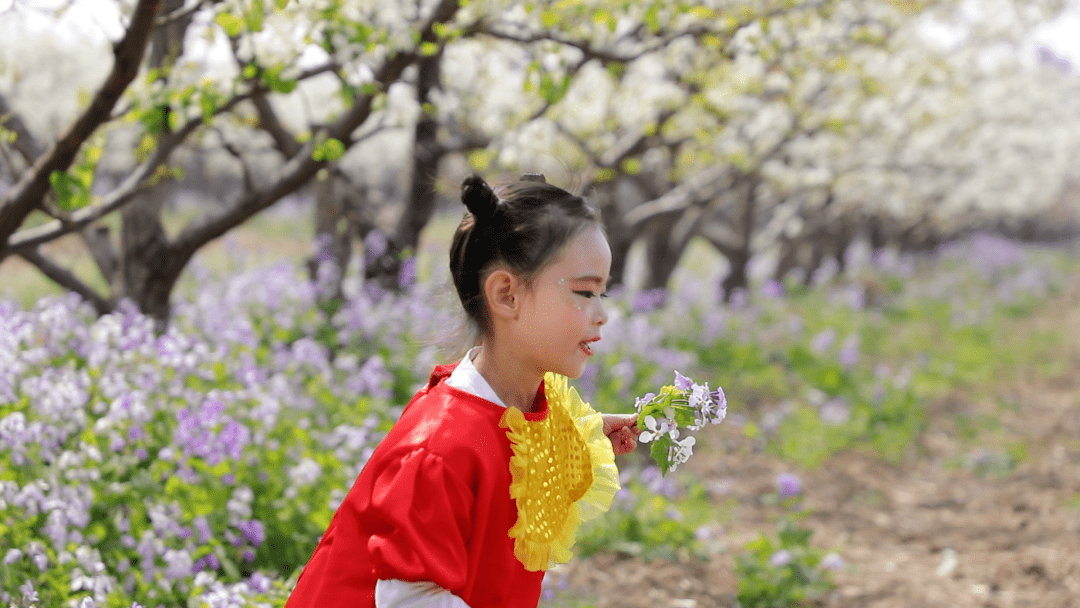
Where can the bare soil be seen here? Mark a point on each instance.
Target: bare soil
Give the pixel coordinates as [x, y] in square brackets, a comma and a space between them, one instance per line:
[1014, 529]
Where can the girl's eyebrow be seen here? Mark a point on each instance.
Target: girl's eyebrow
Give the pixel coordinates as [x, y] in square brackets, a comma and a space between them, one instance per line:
[591, 278]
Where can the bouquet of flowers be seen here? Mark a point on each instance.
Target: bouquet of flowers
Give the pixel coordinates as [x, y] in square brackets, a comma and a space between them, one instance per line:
[682, 404]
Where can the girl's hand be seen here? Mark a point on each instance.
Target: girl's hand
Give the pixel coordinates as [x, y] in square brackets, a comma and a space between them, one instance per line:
[622, 430]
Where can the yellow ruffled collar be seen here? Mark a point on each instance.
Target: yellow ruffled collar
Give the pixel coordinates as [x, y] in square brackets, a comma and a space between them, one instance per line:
[562, 473]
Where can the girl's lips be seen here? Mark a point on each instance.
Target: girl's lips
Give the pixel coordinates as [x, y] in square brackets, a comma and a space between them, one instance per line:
[585, 346]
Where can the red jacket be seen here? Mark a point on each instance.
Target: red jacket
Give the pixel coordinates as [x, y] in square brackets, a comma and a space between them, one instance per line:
[432, 504]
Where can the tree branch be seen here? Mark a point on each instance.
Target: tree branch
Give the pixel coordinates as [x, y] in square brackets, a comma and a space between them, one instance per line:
[301, 167]
[702, 187]
[137, 181]
[28, 193]
[101, 249]
[64, 278]
[183, 13]
[25, 143]
[249, 179]
[720, 238]
[587, 50]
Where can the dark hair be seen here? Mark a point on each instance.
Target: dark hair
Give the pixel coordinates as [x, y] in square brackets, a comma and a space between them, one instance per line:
[522, 228]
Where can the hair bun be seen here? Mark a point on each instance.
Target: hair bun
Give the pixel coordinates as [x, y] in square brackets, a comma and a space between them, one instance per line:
[534, 177]
[478, 197]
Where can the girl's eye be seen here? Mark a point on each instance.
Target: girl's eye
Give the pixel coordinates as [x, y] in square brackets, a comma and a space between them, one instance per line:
[589, 294]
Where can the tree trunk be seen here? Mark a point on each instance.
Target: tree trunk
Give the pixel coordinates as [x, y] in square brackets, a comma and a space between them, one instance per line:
[663, 249]
[427, 153]
[147, 270]
[878, 236]
[737, 277]
[144, 256]
[739, 258]
[845, 235]
[333, 239]
[604, 199]
[789, 258]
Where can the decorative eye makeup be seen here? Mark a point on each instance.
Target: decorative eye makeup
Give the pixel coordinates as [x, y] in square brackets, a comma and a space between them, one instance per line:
[589, 294]
[581, 298]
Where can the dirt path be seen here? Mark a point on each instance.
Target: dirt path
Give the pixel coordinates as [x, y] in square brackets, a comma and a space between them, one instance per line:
[1013, 529]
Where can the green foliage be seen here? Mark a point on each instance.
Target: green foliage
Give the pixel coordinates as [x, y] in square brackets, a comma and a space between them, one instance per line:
[72, 187]
[328, 150]
[273, 79]
[230, 23]
[784, 572]
[652, 519]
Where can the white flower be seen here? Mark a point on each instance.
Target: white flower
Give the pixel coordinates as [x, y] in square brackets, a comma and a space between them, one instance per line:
[680, 451]
[657, 427]
[653, 430]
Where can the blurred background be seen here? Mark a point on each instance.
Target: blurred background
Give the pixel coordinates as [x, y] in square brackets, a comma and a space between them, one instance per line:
[224, 228]
[775, 134]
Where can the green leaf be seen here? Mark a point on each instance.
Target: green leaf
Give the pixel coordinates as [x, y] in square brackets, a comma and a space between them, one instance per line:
[329, 150]
[281, 4]
[230, 23]
[272, 78]
[429, 49]
[652, 18]
[71, 194]
[208, 107]
[253, 17]
[659, 450]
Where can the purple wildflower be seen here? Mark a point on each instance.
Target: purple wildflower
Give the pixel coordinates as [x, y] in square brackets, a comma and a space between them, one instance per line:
[260, 582]
[202, 527]
[833, 561]
[407, 275]
[681, 383]
[788, 485]
[849, 351]
[772, 289]
[253, 531]
[823, 340]
[649, 301]
[780, 558]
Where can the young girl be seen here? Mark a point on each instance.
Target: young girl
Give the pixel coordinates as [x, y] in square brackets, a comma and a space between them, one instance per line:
[481, 484]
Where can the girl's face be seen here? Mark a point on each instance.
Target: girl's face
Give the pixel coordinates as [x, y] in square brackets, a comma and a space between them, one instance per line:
[561, 314]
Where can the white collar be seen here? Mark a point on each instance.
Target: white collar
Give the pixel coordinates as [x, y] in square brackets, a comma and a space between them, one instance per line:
[466, 377]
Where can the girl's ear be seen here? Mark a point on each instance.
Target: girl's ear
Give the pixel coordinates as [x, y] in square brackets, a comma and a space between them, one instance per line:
[502, 290]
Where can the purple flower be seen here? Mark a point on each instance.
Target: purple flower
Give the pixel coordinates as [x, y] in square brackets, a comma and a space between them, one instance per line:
[682, 383]
[832, 561]
[849, 351]
[772, 289]
[253, 531]
[788, 485]
[29, 593]
[780, 558]
[823, 340]
[202, 527]
[721, 399]
[375, 244]
[648, 301]
[260, 582]
[407, 275]
[208, 562]
[12, 556]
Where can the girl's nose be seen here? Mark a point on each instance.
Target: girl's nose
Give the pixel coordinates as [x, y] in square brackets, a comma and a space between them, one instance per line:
[601, 314]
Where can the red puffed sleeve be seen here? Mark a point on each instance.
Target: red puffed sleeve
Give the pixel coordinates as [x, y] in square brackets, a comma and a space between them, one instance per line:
[419, 517]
